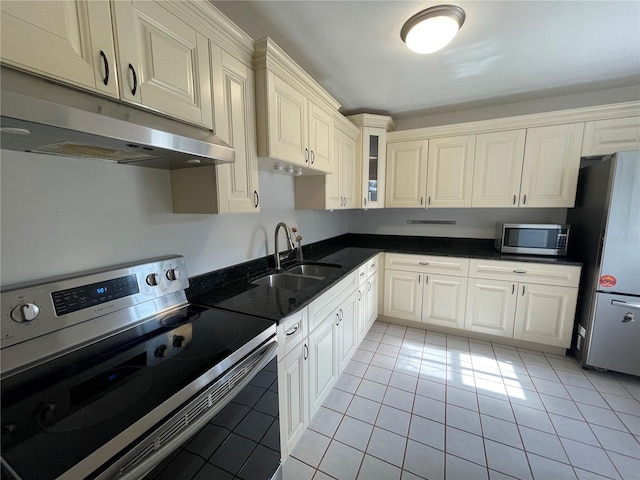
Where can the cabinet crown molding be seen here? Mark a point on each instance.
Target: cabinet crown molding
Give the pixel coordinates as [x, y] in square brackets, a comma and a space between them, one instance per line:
[576, 115]
[371, 120]
[269, 56]
[210, 21]
[343, 123]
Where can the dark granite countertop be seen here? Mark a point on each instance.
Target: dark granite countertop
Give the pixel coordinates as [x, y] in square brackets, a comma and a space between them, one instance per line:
[231, 288]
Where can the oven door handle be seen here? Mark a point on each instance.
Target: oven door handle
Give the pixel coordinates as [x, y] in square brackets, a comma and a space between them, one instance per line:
[266, 353]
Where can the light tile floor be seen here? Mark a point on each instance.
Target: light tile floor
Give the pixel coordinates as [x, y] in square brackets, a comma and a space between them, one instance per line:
[417, 405]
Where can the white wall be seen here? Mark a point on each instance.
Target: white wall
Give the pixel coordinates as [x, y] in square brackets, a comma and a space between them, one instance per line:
[470, 223]
[63, 215]
[450, 115]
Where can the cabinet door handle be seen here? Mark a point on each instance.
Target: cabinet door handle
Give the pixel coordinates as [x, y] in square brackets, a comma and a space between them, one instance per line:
[519, 271]
[513, 288]
[341, 315]
[306, 351]
[514, 199]
[135, 80]
[421, 200]
[337, 319]
[429, 200]
[419, 279]
[369, 284]
[523, 290]
[359, 295]
[365, 201]
[256, 196]
[313, 157]
[426, 279]
[105, 80]
[291, 331]
[423, 263]
[524, 200]
[362, 274]
[306, 155]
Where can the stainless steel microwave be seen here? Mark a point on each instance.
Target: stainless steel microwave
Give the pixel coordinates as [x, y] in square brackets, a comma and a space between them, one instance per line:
[532, 238]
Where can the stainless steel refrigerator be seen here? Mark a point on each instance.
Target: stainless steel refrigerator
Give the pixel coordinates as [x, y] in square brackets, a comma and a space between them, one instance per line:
[605, 235]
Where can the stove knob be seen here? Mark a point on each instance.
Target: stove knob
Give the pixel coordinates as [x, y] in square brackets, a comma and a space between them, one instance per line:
[152, 279]
[161, 351]
[173, 274]
[25, 313]
[178, 341]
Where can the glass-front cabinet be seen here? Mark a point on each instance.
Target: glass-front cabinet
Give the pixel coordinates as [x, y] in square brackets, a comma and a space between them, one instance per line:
[372, 147]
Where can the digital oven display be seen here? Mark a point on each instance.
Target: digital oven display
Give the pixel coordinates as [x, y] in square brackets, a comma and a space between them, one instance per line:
[78, 298]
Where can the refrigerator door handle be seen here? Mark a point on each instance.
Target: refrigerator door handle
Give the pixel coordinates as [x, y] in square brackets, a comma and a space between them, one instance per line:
[620, 303]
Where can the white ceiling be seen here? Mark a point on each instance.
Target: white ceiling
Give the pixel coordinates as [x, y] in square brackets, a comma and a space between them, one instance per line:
[506, 51]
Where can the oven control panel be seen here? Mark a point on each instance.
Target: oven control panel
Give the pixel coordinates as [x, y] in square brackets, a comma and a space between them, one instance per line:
[92, 303]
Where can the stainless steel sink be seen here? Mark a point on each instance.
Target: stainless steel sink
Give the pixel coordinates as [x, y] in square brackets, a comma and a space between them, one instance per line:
[288, 281]
[314, 269]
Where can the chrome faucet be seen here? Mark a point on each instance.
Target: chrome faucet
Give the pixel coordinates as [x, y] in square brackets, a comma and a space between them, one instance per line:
[289, 242]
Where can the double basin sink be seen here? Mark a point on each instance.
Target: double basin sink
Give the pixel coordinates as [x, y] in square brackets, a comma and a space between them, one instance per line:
[298, 277]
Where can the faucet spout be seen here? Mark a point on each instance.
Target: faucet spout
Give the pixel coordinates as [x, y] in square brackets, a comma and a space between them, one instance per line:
[275, 242]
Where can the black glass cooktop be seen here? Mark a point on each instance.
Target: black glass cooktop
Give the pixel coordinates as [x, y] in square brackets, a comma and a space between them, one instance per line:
[56, 414]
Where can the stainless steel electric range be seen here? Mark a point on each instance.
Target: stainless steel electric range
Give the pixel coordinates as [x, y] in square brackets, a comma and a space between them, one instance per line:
[106, 373]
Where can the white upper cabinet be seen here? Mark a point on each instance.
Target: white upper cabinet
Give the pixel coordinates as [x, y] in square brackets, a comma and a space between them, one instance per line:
[372, 162]
[163, 62]
[498, 169]
[338, 189]
[603, 137]
[70, 41]
[551, 164]
[406, 174]
[234, 106]
[294, 115]
[450, 171]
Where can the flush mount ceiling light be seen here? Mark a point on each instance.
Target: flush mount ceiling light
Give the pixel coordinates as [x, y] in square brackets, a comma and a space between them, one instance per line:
[431, 29]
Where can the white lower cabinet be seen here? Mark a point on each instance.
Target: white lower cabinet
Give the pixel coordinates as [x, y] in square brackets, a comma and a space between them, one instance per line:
[525, 301]
[314, 346]
[323, 362]
[293, 389]
[416, 290]
[491, 306]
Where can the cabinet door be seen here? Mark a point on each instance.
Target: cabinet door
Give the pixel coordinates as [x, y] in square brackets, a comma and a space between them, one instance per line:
[373, 158]
[347, 330]
[498, 169]
[545, 314]
[403, 295]
[62, 40]
[323, 356]
[333, 182]
[320, 137]
[604, 137]
[450, 171]
[406, 174]
[234, 109]
[551, 164]
[371, 301]
[293, 395]
[164, 62]
[348, 167]
[491, 307]
[287, 122]
[444, 300]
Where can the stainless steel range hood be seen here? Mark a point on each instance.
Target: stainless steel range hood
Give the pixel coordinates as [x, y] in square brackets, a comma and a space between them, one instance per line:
[42, 117]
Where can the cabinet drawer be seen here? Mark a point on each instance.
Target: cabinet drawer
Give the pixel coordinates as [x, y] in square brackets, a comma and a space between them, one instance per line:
[427, 264]
[291, 331]
[367, 269]
[540, 273]
[323, 306]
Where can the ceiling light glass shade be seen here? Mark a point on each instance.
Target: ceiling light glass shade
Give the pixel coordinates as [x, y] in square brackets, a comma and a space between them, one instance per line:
[430, 30]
